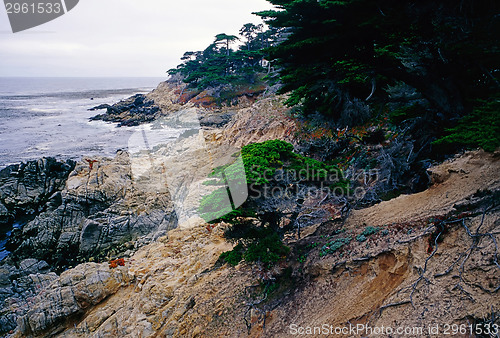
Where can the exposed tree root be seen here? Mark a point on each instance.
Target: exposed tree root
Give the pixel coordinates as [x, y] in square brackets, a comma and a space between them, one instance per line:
[464, 256]
[461, 261]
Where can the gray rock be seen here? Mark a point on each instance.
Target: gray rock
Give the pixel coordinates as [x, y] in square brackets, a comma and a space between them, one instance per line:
[99, 210]
[130, 112]
[26, 187]
[74, 291]
[18, 287]
[4, 213]
[215, 120]
[89, 237]
[4, 277]
[29, 265]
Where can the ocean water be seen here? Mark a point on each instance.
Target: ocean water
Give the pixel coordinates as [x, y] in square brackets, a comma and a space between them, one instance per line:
[50, 116]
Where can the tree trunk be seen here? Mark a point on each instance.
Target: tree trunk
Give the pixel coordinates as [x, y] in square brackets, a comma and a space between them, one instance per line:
[438, 88]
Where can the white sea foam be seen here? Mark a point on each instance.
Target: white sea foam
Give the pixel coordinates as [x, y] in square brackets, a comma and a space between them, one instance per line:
[50, 117]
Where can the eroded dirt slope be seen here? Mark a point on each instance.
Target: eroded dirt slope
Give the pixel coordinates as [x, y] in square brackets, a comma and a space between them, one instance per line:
[454, 180]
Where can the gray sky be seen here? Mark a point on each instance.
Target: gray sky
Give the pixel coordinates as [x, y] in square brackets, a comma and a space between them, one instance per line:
[121, 37]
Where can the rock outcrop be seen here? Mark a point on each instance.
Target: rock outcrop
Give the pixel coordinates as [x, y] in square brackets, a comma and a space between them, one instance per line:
[26, 188]
[130, 112]
[70, 295]
[98, 213]
[101, 209]
[264, 120]
[149, 287]
[166, 99]
[18, 285]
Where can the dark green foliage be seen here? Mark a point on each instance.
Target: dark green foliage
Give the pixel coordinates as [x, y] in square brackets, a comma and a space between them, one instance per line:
[243, 230]
[400, 115]
[337, 50]
[234, 256]
[218, 65]
[251, 32]
[480, 128]
[226, 40]
[267, 250]
[258, 245]
[213, 67]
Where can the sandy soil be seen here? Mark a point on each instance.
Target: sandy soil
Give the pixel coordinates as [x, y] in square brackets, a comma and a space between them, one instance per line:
[454, 181]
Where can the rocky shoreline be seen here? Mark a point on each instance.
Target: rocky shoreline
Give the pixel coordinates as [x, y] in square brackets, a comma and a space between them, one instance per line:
[165, 99]
[26, 188]
[104, 253]
[85, 211]
[130, 112]
[96, 210]
[176, 286]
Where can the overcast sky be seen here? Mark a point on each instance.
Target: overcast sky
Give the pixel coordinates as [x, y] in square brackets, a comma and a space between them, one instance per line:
[121, 37]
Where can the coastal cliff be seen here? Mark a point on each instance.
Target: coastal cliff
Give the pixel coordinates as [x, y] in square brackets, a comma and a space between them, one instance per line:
[115, 257]
[178, 287]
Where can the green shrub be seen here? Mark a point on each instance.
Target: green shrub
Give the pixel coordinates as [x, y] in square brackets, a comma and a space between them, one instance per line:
[265, 247]
[258, 167]
[367, 232]
[361, 238]
[216, 206]
[267, 250]
[262, 159]
[481, 128]
[234, 256]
